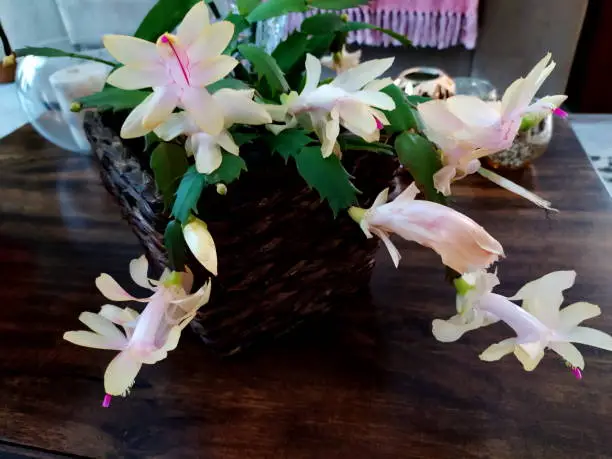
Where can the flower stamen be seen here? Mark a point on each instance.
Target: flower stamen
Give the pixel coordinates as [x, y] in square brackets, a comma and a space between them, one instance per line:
[106, 401]
[168, 41]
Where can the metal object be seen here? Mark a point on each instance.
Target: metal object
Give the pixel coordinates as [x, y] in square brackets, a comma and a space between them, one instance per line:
[426, 81]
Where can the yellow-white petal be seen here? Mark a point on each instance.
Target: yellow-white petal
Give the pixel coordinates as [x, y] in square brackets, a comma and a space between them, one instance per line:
[448, 331]
[590, 337]
[102, 326]
[313, 74]
[226, 141]
[94, 341]
[473, 111]
[193, 24]
[193, 302]
[443, 178]
[201, 244]
[377, 85]
[569, 352]
[113, 291]
[139, 268]
[209, 71]
[175, 125]
[375, 99]
[117, 315]
[331, 130]
[357, 77]
[498, 350]
[529, 362]
[238, 108]
[208, 156]
[128, 77]
[120, 374]
[132, 126]
[131, 50]
[203, 109]
[356, 118]
[211, 42]
[543, 297]
[576, 313]
[161, 105]
[395, 255]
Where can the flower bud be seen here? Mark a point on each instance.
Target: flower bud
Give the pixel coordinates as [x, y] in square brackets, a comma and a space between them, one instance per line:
[221, 189]
[201, 243]
[76, 107]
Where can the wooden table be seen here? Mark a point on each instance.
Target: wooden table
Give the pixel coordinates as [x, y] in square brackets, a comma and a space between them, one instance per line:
[367, 382]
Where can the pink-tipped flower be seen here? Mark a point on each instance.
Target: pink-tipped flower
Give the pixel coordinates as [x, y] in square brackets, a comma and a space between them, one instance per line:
[560, 113]
[467, 128]
[462, 244]
[178, 68]
[146, 338]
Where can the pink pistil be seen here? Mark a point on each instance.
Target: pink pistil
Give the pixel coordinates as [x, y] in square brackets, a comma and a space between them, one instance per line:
[165, 39]
[106, 401]
[379, 125]
[577, 372]
[560, 113]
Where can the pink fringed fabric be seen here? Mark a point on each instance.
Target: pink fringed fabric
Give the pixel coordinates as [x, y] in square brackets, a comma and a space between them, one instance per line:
[434, 23]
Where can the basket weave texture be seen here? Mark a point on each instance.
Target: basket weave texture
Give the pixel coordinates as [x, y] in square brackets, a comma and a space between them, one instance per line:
[283, 257]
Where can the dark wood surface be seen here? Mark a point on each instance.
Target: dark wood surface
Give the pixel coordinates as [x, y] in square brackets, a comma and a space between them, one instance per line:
[368, 381]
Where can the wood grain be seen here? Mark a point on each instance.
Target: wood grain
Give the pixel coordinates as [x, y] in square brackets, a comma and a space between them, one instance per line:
[366, 382]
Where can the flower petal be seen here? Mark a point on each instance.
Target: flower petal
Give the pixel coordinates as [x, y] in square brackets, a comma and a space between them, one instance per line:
[120, 374]
[395, 255]
[226, 141]
[313, 74]
[356, 118]
[175, 125]
[209, 71]
[447, 331]
[193, 24]
[473, 111]
[357, 77]
[119, 316]
[132, 126]
[102, 326]
[207, 153]
[238, 108]
[201, 244]
[498, 350]
[576, 313]
[375, 99]
[113, 291]
[190, 304]
[211, 42]
[137, 78]
[131, 50]
[139, 268]
[377, 85]
[203, 109]
[529, 362]
[443, 178]
[543, 297]
[590, 337]
[569, 352]
[161, 105]
[94, 341]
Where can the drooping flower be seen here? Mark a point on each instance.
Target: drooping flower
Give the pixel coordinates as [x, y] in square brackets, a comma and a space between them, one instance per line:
[200, 242]
[146, 338]
[178, 68]
[555, 328]
[351, 100]
[342, 61]
[236, 107]
[462, 244]
[466, 128]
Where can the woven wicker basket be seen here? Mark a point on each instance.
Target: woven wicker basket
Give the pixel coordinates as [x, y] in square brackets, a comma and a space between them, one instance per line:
[282, 256]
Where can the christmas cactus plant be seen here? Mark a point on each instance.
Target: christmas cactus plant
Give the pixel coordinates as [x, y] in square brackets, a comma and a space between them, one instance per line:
[200, 92]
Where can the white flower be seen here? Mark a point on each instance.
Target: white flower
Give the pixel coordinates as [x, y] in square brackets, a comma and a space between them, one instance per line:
[351, 100]
[235, 107]
[556, 328]
[462, 244]
[467, 128]
[342, 61]
[178, 68]
[147, 337]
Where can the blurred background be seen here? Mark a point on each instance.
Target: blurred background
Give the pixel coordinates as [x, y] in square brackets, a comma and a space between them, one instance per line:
[508, 38]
